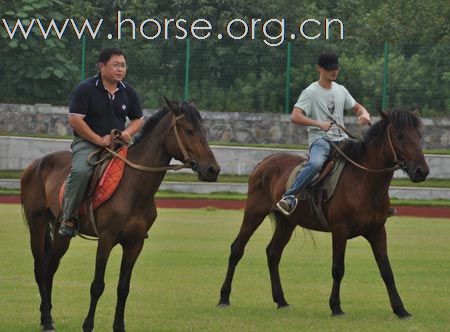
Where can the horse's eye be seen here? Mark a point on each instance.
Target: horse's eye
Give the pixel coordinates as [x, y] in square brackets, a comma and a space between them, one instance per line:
[400, 136]
[190, 132]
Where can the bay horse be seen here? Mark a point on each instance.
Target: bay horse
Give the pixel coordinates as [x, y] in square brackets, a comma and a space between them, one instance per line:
[358, 207]
[176, 131]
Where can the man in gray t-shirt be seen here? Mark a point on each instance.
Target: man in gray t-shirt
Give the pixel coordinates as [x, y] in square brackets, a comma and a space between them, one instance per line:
[319, 105]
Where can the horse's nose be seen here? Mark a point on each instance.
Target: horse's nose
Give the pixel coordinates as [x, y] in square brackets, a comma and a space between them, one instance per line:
[213, 170]
[421, 173]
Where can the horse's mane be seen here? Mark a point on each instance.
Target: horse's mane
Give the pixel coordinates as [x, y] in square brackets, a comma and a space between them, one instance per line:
[191, 113]
[400, 119]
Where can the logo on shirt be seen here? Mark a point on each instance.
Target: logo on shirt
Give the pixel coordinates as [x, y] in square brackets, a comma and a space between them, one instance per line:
[124, 107]
[330, 103]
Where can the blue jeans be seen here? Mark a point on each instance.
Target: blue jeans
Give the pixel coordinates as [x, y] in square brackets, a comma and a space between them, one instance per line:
[318, 154]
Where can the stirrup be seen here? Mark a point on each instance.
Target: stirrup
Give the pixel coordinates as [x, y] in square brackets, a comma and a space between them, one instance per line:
[284, 206]
[391, 212]
[68, 227]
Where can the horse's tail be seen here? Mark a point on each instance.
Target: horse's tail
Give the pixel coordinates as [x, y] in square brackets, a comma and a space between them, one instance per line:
[32, 192]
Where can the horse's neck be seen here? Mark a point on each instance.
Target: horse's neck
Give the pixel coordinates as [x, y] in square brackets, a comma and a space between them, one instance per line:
[150, 152]
[378, 156]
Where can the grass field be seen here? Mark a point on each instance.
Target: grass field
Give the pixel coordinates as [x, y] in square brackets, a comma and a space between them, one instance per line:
[176, 282]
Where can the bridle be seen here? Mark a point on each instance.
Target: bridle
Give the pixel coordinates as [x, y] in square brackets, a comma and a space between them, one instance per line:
[188, 162]
[398, 164]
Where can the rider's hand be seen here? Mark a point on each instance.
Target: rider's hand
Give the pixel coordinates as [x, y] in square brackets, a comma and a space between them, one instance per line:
[125, 136]
[364, 119]
[325, 125]
[104, 141]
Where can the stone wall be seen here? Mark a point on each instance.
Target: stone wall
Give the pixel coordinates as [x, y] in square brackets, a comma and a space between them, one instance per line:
[228, 127]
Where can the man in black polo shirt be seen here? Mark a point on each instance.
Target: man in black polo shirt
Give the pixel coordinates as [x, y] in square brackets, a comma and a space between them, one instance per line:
[99, 104]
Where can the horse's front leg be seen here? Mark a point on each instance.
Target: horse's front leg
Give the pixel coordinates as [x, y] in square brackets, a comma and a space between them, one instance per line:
[377, 240]
[129, 257]
[281, 237]
[338, 268]
[98, 284]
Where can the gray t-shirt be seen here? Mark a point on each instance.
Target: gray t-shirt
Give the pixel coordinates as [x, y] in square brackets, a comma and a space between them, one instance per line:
[321, 104]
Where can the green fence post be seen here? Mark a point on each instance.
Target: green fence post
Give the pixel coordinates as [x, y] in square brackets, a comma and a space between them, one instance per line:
[83, 58]
[186, 69]
[287, 94]
[385, 75]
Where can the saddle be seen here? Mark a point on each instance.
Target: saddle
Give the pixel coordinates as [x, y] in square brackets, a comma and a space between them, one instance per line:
[322, 186]
[105, 178]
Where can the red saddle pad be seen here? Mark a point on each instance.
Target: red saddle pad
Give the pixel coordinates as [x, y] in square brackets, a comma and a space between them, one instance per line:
[107, 184]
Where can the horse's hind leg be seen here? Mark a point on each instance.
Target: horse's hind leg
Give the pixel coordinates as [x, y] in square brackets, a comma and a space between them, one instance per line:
[377, 240]
[59, 248]
[281, 237]
[41, 249]
[253, 217]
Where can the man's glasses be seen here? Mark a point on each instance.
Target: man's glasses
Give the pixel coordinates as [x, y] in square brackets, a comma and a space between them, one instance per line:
[119, 65]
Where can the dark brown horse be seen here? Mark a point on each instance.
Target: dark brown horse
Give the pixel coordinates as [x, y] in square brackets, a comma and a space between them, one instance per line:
[359, 205]
[126, 217]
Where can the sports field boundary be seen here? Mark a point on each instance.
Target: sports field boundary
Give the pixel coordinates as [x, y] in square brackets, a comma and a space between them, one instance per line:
[402, 211]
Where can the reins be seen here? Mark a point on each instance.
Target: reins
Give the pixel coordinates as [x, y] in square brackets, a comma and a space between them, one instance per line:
[116, 133]
[397, 163]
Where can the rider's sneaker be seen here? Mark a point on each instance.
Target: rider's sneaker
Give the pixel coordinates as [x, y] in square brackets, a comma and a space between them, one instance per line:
[391, 212]
[287, 204]
[68, 227]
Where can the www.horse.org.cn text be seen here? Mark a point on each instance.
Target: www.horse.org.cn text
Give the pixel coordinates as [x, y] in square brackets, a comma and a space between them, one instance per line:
[273, 31]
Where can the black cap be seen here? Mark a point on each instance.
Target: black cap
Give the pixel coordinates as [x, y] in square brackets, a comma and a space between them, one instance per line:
[328, 61]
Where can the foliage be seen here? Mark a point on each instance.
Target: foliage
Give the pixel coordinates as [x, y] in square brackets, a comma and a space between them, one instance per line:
[239, 75]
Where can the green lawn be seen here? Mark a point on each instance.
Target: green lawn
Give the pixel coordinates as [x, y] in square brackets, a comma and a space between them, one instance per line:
[176, 282]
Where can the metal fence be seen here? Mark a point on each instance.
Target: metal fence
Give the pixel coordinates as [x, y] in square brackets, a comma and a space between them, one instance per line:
[248, 76]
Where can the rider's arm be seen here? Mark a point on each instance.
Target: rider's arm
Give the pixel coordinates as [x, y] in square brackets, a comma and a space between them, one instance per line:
[298, 117]
[362, 114]
[133, 127]
[82, 129]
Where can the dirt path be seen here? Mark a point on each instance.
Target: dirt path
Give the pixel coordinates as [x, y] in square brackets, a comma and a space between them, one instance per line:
[415, 211]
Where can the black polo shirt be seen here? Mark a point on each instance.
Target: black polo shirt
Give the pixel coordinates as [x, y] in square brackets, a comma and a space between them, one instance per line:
[101, 110]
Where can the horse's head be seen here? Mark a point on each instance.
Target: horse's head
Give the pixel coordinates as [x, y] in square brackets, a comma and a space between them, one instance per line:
[405, 136]
[186, 140]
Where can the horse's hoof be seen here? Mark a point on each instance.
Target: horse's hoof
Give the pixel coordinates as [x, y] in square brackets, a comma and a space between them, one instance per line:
[402, 314]
[283, 306]
[223, 305]
[49, 328]
[338, 314]
[405, 316]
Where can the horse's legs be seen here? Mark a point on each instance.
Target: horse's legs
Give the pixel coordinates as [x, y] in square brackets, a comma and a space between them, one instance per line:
[129, 257]
[339, 244]
[281, 237]
[41, 249]
[98, 284]
[252, 219]
[377, 240]
[60, 246]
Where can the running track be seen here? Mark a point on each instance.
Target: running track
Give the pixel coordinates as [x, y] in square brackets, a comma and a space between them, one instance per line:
[415, 211]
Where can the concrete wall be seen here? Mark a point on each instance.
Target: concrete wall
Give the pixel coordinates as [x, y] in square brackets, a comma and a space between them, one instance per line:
[19, 152]
[227, 127]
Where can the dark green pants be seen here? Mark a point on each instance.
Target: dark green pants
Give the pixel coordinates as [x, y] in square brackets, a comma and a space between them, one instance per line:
[79, 176]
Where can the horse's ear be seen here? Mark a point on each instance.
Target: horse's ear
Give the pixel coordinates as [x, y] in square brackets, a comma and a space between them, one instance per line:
[383, 114]
[192, 103]
[173, 106]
